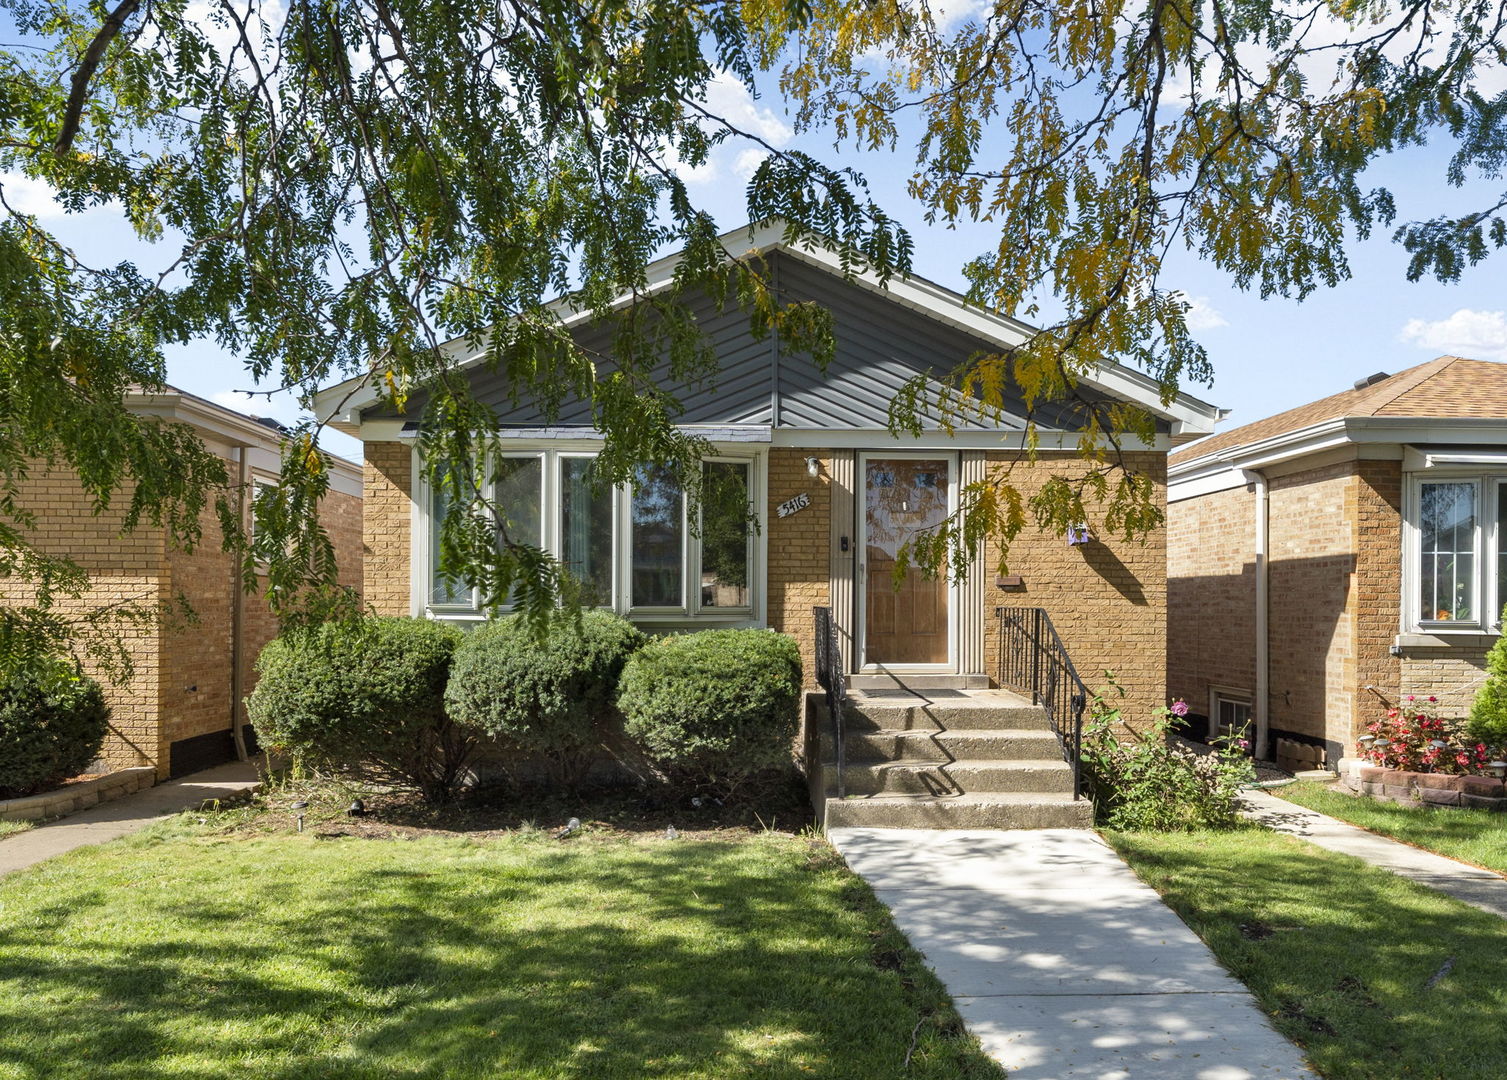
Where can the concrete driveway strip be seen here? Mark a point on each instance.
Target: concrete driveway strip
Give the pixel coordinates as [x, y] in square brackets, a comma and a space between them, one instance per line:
[1062, 961]
[1477, 887]
[125, 816]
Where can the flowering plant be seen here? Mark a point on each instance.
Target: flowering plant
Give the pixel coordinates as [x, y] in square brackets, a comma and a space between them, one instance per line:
[1147, 779]
[1415, 738]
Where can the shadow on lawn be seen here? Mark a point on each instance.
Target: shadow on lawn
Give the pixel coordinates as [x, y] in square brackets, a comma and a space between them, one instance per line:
[687, 961]
[1346, 959]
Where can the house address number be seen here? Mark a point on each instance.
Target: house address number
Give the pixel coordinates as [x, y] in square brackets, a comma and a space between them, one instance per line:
[790, 506]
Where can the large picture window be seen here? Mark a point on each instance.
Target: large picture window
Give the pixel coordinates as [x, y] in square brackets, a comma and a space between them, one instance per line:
[630, 548]
[1458, 568]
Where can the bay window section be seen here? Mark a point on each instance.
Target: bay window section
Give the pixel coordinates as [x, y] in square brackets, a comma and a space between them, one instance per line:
[657, 539]
[633, 548]
[586, 530]
[726, 535]
[1447, 532]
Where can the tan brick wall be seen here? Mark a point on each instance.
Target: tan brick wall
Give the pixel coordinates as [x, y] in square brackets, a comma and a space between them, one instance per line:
[201, 655]
[799, 571]
[387, 521]
[1211, 595]
[1108, 598]
[1451, 675]
[1311, 613]
[1376, 498]
[124, 569]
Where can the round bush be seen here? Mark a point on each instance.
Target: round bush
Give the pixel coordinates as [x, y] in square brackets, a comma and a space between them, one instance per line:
[541, 694]
[1488, 713]
[714, 707]
[365, 697]
[53, 721]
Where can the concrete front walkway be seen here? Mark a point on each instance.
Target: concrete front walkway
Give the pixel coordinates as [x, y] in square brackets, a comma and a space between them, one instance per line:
[126, 815]
[1062, 961]
[1477, 887]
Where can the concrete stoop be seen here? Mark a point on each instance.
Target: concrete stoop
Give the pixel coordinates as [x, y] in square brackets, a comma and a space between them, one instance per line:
[946, 759]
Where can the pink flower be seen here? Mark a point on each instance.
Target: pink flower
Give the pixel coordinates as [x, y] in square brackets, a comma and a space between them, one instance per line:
[1179, 708]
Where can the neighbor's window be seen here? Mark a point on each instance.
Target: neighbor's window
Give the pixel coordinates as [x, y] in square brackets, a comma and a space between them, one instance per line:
[726, 536]
[1459, 576]
[658, 530]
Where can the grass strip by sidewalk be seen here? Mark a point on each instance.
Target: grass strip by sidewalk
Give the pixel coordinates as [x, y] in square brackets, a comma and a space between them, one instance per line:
[10, 828]
[184, 952]
[1475, 836]
[1344, 958]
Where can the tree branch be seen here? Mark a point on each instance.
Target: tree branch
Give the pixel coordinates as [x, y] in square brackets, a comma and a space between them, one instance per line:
[74, 112]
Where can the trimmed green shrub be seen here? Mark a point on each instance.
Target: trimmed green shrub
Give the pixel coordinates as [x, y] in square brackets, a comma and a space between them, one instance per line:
[548, 695]
[1488, 713]
[367, 698]
[53, 721]
[713, 708]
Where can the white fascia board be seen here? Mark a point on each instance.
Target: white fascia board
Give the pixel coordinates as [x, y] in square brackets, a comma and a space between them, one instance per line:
[1224, 478]
[1376, 436]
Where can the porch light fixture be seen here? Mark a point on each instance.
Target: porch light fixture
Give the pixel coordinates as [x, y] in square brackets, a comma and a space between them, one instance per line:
[813, 467]
[1078, 534]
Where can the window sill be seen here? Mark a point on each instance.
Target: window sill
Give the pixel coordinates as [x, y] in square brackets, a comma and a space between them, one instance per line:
[1473, 638]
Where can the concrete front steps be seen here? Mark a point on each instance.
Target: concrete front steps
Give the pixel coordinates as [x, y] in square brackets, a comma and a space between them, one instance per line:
[944, 759]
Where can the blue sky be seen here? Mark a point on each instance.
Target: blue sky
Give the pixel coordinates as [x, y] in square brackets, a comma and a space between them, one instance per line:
[1268, 355]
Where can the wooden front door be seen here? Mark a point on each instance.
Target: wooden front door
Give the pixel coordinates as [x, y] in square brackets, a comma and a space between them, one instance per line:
[912, 624]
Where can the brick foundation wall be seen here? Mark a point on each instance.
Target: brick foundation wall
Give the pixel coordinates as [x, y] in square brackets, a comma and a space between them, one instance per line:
[201, 656]
[387, 521]
[799, 568]
[1211, 595]
[124, 569]
[1108, 598]
[1377, 516]
[1312, 600]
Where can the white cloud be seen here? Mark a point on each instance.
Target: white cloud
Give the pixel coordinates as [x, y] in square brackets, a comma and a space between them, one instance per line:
[281, 407]
[27, 196]
[1201, 315]
[727, 98]
[1479, 335]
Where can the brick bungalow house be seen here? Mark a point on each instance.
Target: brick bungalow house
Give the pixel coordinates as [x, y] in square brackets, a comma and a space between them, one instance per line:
[833, 490]
[178, 710]
[1326, 561]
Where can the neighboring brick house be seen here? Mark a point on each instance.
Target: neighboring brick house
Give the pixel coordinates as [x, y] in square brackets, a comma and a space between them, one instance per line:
[1329, 560]
[177, 710]
[832, 489]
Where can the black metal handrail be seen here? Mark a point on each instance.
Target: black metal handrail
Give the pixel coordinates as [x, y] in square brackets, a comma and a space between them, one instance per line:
[831, 678]
[1032, 660]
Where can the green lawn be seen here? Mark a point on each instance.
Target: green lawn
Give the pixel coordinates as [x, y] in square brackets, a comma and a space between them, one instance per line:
[9, 828]
[192, 952]
[1476, 836]
[1341, 954]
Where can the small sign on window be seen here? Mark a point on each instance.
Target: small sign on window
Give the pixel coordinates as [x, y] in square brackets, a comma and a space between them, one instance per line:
[791, 506]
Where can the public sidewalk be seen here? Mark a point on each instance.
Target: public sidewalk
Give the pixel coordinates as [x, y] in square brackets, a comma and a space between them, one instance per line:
[127, 815]
[1062, 961]
[1477, 887]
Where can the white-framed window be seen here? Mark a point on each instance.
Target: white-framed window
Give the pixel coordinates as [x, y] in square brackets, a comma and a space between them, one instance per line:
[630, 548]
[1455, 552]
[1230, 712]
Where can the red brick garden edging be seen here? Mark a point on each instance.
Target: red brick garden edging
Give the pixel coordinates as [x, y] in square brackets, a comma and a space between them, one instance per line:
[1433, 789]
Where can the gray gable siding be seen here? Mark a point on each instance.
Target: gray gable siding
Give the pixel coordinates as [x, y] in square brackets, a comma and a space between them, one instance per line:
[881, 344]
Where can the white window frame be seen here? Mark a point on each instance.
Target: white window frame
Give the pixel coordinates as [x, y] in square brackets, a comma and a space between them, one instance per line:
[1233, 695]
[1488, 593]
[689, 613]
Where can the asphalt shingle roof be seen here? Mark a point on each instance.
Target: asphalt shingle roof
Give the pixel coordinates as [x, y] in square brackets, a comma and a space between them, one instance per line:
[1447, 387]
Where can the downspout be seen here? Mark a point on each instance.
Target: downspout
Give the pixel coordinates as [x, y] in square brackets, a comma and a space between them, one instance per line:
[1262, 693]
[237, 610]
